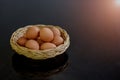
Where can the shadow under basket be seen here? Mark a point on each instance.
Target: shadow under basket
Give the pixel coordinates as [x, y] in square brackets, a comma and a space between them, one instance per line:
[39, 54]
[39, 69]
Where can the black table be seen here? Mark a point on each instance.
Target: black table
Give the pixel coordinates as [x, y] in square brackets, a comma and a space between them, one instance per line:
[93, 26]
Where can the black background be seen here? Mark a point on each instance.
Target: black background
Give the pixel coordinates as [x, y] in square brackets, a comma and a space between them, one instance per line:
[93, 26]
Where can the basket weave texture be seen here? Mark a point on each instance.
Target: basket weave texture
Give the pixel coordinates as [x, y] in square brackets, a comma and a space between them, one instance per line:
[38, 54]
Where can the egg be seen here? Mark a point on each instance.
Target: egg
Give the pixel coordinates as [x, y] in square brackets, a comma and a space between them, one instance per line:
[56, 31]
[47, 46]
[57, 40]
[21, 41]
[32, 44]
[46, 34]
[39, 41]
[32, 32]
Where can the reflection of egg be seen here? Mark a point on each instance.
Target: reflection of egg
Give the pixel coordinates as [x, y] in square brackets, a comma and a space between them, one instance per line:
[32, 32]
[21, 41]
[55, 31]
[57, 40]
[46, 34]
[47, 46]
[32, 44]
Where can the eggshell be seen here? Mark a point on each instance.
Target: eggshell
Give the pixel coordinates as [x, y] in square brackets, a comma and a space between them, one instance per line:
[39, 41]
[32, 32]
[46, 34]
[56, 31]
[21, 41]
[47, 46]
[32, 44]
[57, 40]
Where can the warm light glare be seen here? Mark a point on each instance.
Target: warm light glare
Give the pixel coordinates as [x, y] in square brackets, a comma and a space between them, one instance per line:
[118, 2]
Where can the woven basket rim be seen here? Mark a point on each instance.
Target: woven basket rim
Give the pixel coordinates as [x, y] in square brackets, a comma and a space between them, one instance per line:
[20, 31]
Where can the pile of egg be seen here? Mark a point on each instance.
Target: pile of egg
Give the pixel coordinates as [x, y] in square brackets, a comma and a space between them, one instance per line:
[41, 38]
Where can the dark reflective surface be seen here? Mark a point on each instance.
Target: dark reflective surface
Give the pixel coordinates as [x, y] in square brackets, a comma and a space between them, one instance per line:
[39, 69]
[93, 26]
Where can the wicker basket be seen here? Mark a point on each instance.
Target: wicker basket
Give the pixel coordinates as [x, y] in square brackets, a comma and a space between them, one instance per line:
[39, 54]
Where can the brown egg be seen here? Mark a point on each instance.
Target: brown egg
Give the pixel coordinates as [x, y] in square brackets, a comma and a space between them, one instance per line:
[56, 31]
[57, 40]
[39, 41]
[24, 35]
[32, 32]
[46, 34]
[32, 44]
[47, 46]
[21, 41]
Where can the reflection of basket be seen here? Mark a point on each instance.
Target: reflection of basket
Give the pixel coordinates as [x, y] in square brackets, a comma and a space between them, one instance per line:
[39, 54]
[39, 69]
